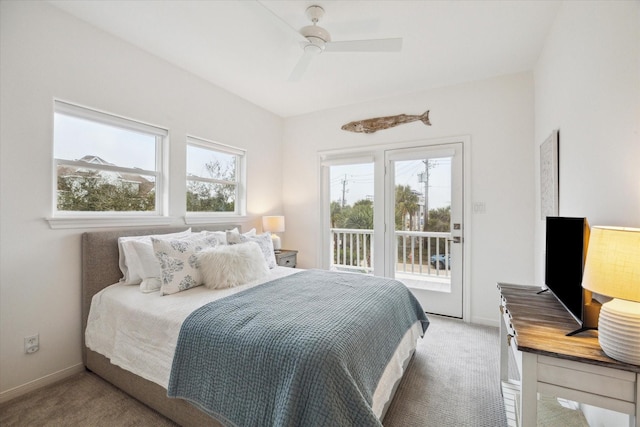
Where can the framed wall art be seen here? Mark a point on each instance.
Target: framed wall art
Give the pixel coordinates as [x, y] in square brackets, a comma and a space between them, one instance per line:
[549, 176]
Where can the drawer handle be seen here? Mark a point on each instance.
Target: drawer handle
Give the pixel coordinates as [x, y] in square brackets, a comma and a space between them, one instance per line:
[509, 338]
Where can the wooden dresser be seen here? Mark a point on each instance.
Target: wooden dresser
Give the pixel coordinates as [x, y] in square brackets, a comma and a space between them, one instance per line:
[534, 328]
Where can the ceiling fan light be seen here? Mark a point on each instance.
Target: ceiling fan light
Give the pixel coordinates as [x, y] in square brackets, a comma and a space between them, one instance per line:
[314, 48]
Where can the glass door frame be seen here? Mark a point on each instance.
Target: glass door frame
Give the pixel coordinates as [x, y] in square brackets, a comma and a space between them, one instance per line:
[438, 301]
[376, 153]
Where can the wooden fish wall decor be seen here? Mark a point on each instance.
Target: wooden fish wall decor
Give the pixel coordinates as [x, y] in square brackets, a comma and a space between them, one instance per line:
[379, 123]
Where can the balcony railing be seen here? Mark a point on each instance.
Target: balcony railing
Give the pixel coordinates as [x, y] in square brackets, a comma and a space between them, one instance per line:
[418, 253]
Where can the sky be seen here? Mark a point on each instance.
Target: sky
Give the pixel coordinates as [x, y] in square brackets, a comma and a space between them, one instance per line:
[75, 138]
[358, 180]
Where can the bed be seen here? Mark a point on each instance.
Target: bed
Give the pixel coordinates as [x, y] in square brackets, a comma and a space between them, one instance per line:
[101, 273]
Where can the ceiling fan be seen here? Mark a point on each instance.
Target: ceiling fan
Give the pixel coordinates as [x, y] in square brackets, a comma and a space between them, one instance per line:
[315, 40]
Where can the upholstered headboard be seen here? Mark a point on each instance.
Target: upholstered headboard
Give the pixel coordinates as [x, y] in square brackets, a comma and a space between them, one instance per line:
[100, 260]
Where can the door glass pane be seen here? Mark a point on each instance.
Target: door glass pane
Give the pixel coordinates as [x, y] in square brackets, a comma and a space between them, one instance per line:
[351, 198]
[422, 222]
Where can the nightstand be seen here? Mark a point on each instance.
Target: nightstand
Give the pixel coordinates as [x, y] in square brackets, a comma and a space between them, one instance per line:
[286, 258]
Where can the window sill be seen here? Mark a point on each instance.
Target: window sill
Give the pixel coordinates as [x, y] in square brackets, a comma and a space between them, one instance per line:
[94, 222]
[195, 219]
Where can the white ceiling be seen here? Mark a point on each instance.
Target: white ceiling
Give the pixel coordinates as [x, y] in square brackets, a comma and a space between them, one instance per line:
[245, 47]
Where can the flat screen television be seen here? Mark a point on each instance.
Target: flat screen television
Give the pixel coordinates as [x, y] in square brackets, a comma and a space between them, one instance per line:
[567, 241]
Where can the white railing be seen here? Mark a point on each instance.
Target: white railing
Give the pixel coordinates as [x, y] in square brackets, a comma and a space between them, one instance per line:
[423, 252]
[418, 252]
[352, 249]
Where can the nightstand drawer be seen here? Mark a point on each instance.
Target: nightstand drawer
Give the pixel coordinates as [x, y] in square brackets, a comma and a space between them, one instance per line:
[287, 258]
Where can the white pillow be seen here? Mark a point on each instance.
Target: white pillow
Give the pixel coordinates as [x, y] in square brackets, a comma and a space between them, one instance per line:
[221, 236]
[178, 261]
[149, 266]
[251, 232]
[150, 284]
[263, 240]
[234, 265]
[134, 258]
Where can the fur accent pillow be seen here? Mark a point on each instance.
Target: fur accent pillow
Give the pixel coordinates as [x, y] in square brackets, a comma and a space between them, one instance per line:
[234, 265]
[263, 240]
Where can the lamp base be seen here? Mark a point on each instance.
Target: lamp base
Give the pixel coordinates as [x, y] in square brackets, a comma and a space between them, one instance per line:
[277, 244]
[619, 330]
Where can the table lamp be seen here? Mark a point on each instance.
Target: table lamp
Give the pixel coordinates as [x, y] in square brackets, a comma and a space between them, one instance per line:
[274, 224]
[612, 269]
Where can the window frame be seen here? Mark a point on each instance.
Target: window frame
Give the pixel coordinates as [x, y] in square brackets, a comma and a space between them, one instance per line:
[77, 219]
[240, 204]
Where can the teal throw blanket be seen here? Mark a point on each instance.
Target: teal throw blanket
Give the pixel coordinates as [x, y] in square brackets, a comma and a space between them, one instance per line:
[304, 350]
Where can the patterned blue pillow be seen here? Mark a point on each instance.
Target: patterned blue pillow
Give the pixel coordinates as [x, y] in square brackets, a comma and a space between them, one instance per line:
[178, 261]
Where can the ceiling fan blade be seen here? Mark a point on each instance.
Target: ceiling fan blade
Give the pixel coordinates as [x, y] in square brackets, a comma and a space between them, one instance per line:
[282, 23]
[302, 65]
[376, 45]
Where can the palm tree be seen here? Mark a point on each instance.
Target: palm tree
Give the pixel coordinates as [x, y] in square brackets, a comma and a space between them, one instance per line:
[361, 215]
[406, 204]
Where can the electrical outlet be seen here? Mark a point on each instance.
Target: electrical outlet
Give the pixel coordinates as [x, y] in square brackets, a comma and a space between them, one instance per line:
[32, 343]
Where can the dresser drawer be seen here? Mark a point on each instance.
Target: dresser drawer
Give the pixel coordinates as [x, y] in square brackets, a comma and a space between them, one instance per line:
[597, 380]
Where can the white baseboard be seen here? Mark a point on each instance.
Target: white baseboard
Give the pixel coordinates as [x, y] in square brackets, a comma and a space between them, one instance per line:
[10, 394]
[485, 321]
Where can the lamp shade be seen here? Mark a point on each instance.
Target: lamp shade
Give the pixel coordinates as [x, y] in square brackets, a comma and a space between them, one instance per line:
[273, 224]
[612, 266]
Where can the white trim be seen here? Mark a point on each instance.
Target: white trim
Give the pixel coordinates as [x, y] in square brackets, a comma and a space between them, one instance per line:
[108, 168]
[466, 231]
[342, 160]
[211, 180]
[209, 218]
[36, 384]
[104, 221]
[208, 144]
[88, 113]
[163, 177]
[377, 153]
[409, 153]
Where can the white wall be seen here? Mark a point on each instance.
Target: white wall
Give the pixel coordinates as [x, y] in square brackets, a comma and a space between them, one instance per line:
[587, 85]
[497, 114]
[46, 53]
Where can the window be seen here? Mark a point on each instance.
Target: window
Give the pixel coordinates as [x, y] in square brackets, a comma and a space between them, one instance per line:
[215, 178]
[106, 165]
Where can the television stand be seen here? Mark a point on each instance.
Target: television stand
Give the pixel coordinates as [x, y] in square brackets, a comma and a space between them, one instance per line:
[533, 328]
[583, 329]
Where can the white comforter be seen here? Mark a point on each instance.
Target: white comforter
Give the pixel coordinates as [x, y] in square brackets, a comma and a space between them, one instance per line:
[139, 331]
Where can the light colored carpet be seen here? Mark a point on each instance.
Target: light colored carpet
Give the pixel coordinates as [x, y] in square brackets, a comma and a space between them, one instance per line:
[452, 381]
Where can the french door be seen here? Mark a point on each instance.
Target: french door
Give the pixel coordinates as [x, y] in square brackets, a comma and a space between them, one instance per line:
[398, 212]
[424, 224]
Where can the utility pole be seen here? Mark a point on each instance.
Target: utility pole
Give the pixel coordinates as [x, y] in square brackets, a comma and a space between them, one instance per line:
[344, 189]
[424, 177]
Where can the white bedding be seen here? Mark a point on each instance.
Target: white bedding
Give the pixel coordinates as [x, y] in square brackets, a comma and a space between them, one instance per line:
[139, 331]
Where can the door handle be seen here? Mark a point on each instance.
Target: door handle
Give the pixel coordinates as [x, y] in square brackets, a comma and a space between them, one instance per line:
[456, 239]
